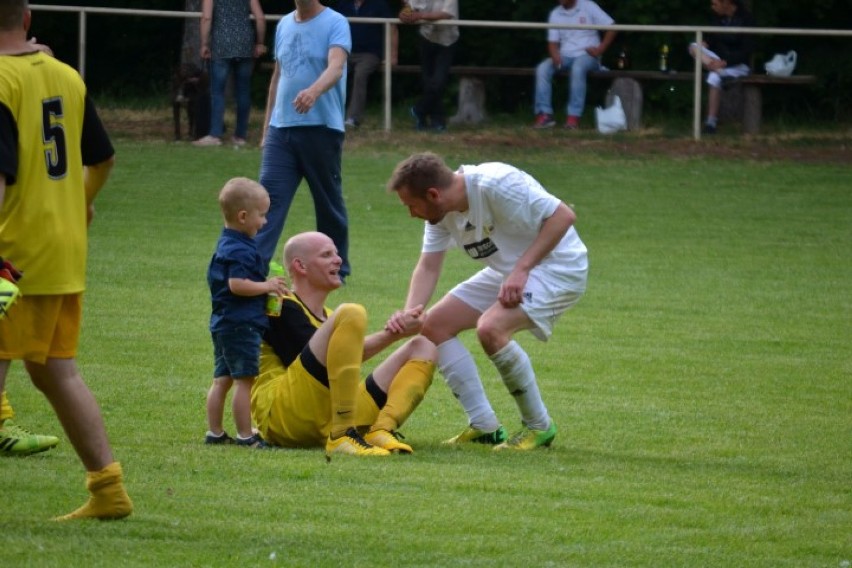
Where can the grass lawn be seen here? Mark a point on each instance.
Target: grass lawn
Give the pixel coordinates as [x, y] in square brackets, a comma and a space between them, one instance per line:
[701, 388]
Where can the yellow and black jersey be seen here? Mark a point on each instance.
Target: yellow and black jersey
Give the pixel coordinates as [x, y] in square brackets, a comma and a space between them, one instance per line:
[289, 333]
[49, 130]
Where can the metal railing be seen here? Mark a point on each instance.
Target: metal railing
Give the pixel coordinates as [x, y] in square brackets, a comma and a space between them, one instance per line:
[697, 31]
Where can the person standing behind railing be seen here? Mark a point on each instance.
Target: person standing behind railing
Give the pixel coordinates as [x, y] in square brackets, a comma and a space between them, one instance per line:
[231, 42]
[303, 130]
[437, 48]
[724, 55]
[368, 51]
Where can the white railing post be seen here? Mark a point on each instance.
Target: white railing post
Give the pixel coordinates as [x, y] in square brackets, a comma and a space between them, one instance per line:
[387, 81]
[81, 48]
[696, 92]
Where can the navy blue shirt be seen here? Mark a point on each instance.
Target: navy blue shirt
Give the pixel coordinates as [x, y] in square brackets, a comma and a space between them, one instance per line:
[735, 49]
[236, 256]
[366, 37]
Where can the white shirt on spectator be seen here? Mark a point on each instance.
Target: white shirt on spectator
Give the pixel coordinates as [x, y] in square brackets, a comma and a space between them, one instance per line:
[573, 43]
[442, 35]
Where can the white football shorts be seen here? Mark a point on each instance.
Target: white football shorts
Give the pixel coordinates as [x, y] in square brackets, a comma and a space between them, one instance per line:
[547, 295]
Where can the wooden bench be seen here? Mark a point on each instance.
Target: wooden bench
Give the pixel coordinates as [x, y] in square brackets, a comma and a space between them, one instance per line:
[627, 84]
[745, 102]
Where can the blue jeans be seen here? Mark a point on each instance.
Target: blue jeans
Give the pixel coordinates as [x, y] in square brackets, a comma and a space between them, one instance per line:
[312, 153]
[578, 68]
[219, 71]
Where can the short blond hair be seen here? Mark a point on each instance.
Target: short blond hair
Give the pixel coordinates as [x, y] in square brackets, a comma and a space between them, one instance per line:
[239, 194]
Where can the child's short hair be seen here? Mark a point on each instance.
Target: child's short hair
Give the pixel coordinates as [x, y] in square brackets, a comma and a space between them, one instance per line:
[239, 194]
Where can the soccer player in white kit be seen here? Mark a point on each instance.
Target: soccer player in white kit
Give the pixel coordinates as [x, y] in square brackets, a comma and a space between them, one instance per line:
[535, 269]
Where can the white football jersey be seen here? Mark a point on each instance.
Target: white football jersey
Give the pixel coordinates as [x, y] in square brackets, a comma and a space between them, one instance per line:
[506, 210]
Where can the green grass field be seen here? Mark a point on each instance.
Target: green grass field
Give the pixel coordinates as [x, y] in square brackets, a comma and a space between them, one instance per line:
[702, 387]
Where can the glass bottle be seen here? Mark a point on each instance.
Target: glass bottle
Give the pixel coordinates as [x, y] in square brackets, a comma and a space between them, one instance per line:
[623, 61]
[664, 58]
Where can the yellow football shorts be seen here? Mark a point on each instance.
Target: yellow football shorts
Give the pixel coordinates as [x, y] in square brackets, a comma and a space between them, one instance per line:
[41, 327]
[292, 409]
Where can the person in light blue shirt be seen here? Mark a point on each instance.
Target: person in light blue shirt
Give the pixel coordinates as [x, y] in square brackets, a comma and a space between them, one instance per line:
[304, 125]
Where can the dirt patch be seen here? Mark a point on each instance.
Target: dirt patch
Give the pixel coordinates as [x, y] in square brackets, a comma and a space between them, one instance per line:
[817, 146]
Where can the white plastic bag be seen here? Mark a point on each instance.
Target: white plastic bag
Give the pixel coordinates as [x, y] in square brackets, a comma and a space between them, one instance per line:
[781, 65]
[612, 119]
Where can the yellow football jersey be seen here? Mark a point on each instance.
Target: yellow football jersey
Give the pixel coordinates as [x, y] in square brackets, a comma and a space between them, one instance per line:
[43, 216]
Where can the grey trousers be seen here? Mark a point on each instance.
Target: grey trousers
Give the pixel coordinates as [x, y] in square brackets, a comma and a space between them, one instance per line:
[361, 66]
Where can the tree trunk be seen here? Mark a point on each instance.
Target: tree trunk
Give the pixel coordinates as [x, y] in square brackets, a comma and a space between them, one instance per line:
[471, 102]
[630, 93]
[191, 46]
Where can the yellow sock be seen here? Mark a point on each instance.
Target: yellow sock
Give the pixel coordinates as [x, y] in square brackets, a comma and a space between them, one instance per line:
[345, 351]
[107, 497]
[406, 392]
[6, 411]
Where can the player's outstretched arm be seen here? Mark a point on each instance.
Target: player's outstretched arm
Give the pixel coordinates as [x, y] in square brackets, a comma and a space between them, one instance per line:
[424, 279]
[410, 322]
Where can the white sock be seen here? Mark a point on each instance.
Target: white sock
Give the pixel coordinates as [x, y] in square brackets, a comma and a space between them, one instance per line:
[517, 373]
[459, 370]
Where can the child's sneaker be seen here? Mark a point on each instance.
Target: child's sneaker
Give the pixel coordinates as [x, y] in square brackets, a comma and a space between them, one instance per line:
[255, 441]
[214, 439]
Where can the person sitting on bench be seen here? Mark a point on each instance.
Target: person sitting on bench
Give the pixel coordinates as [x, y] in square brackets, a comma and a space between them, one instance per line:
[724, 55]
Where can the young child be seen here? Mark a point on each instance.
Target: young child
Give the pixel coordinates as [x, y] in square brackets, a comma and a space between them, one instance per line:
[238, 290]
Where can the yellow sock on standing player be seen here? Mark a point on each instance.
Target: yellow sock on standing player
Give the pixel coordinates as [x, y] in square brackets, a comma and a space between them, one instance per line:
[345, 351]
[107, 499]
[6, 411]
[407, 390]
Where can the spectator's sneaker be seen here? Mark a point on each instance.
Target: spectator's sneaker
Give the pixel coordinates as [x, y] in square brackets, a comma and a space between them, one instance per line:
[419, 120]
[544, 120]
[473, 435]
[237, 141]
[709, 129]
[8, 294]
[440, 127]
[17, 441]
[352, 444]
[222, 438]
[208, 141]
[389, 440]
[352, 123]
[529, 439]
[572, 122]
[255, 441]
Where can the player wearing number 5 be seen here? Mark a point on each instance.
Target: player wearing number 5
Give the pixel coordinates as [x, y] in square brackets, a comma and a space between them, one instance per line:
[54, 158]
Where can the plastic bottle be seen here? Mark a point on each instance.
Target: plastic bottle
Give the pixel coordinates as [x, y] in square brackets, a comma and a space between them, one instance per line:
[664, 58]
[274, 301]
